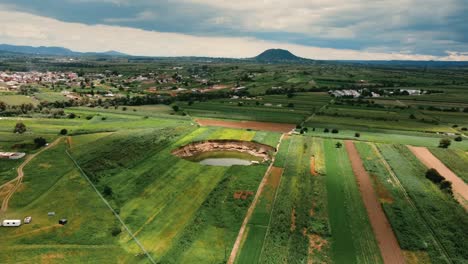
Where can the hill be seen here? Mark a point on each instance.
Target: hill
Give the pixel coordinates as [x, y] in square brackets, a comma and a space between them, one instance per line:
[278, 55]
[54, 51]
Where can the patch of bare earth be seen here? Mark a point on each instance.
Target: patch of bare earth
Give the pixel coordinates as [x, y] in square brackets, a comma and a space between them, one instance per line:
[459, 187]
[416, 257]
[293, 220]
[312, 166]
[316, 243]
[382, 192]
[388, 244]
[276, 127]
[242, 194]
[52, 258]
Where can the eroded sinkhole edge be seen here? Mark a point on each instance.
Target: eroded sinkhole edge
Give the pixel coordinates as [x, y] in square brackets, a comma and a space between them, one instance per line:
[253, 148]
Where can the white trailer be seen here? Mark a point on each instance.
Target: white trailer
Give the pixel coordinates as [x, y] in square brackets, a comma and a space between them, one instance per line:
[13, 222]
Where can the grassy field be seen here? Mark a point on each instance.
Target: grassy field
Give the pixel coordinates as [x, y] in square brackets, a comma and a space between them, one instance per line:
[14, 100]
[58, 186]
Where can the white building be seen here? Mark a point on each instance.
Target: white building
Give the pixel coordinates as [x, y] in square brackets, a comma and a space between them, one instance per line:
[13, 222]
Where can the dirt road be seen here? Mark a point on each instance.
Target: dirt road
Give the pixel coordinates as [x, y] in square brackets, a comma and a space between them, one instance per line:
[19, 179]
[386, 239]
[275, 127]
[248, 215]
[459, 187]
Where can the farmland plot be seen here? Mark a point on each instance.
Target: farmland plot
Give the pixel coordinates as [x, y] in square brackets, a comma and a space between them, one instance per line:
[413, 235]
[298, 218]
[445, 217]
[352, 238]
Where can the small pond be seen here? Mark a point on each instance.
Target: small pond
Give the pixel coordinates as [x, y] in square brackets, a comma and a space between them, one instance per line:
[224, 158]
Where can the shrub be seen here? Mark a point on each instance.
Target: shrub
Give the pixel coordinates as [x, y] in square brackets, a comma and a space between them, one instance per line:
[334, 131]
[446, 186]
[444, 143]
[103, 118]
[458, 139]
[357, 134]
[71, 115]
[326, 130]
[89, 117]
[19, 128]
[175, 108]
[40, 142]
[338, 145]
[63, 131]
[434, 176]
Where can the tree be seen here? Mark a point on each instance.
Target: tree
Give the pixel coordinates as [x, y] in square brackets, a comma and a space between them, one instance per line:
[357, 134]
[107, 191]
[458, 139]
[326, 130]
[290, 105]
[40, 142]
[71, 115]
[412, 116]
[434, 176]
[334, 131]
[19, 128]
[63, 132]
[444, 143]
[338, 145]
[2, 106]
[175, 108]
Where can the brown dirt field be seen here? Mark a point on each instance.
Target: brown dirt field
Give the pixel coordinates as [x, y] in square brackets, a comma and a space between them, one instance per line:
[312, 166]
[276, 127]
[459, 187]
[386, 239]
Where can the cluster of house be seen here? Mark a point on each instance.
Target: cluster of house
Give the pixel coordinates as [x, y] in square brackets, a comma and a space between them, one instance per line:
[13, 80]
[347, 93]
[11, 155]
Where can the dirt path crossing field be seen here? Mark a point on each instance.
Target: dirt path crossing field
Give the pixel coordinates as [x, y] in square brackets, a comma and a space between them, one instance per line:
[459, 187]
[19, 179]
[386, 239]
[248, 215]
[275, 127]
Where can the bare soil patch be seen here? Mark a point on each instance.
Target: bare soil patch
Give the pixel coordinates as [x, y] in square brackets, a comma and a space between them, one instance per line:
[312, 166]
[316, 243]
[276, 127]
[293, 220]
[382, 192]
[459, 187]
[242, 194]
[388, 244]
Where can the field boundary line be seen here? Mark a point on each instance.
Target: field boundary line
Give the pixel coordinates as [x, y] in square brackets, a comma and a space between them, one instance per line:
[248, 215]
[112, 209]
[408, 198]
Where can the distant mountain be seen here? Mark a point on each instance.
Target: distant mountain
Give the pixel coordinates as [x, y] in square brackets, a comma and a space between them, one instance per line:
[54, 51]
[278, 55]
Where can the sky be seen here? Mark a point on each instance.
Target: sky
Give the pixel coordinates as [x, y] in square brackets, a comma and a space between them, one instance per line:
[316, 29]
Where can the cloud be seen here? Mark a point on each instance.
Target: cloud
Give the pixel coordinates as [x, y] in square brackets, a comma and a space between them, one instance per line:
[26, 29]
[142, 16]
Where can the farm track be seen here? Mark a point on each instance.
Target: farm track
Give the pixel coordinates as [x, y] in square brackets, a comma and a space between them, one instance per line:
[387, 241]
[19, 179]
[400, 186]
[459, 187]
[248, 215]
